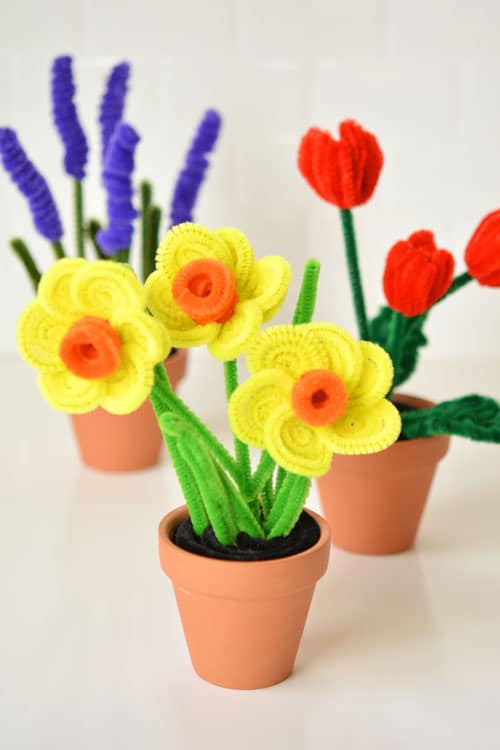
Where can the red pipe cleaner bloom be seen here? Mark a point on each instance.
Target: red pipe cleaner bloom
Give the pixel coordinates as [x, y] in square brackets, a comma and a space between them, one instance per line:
[482, 254]
[417, 274]
[343, 172]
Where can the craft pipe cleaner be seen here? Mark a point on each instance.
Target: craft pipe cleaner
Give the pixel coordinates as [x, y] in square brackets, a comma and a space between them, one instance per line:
[66, 117]
[113, 103]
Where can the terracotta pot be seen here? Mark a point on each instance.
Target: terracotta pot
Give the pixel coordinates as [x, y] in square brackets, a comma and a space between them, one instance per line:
[374, 503]
[109, 442]
[243, 621]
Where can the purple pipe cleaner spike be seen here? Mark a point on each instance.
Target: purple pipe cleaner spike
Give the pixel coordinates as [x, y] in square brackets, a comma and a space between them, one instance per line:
[66, 117]
[113, 103]
[32, 185]
[192, 174]
[116, 177]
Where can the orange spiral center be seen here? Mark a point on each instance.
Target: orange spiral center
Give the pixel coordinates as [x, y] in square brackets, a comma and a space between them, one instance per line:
[91, 348]
[319, 397]
[206, 291]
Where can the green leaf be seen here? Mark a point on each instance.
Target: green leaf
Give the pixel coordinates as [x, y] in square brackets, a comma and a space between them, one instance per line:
[475, 417]
[413, 338]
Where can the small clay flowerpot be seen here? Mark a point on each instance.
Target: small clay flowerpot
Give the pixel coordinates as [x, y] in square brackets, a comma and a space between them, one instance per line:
[128, 442]
[374, 503]
[243, 621]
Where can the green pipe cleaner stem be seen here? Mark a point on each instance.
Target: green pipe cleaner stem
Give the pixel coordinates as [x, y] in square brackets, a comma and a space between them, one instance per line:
[245, 518]
[304, 309]
[164, 399]
[395, 339]
[280, 478]
[154, 219]
[264, 472]
[351, 254]
[458, 282]
[215, 497]
[58, 250]
[78, 204]
[21, 250]
[187, 480]
[288, 506]
[92, 228]
[241, 449]
[146, 197]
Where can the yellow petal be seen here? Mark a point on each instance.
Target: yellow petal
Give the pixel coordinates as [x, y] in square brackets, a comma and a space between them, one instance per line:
[129, 386]
[103, 287]
[55, 292]
[187, 242]
[69, 393]
[296, 446]
[254, 400]
[235, 336]
[376, 376]
[272, 276]
[287, 348]
[364, 429]
[183, 331]
[344, 352]
[242, 258]
[39, 336]
[143, 334]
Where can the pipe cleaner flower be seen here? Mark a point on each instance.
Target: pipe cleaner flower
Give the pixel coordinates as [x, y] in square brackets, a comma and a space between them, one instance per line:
[314, 391]
[89, 337]
[32, 185]
[113, 103]
[417, 274]
[116, 176]
[343, 172]
[66, 117]
[196, 163]
[208, 288]
[482, 254]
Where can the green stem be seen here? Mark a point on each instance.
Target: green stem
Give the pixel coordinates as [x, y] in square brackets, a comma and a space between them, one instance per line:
[146, 196]
[395, 339]
[241, 449]
[93, 228]
[21, 250]
[154, 220]
[78, 203]
[263, 474]
[351, 252]
[304, 309]
[458, 282]
[58, 250]
[164, 399]
[288, 506]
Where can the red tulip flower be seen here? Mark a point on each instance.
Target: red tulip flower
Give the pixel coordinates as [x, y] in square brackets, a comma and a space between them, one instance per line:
[343, 172]
[482, 254]
[417, 274]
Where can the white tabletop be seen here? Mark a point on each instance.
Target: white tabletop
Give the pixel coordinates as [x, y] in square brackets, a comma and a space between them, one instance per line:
[399, 653]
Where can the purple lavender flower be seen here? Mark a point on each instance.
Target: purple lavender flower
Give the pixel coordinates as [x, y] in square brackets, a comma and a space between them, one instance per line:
[66, 117]
[118, 168]
[113, 103]
[192, 175]
[32, 185]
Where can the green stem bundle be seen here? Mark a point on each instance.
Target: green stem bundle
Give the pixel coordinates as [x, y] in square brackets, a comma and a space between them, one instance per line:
[22, 251]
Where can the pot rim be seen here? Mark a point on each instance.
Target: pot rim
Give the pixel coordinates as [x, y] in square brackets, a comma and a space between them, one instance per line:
[188, 569]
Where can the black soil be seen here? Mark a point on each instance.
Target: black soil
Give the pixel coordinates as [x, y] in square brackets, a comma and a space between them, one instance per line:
[305, 534]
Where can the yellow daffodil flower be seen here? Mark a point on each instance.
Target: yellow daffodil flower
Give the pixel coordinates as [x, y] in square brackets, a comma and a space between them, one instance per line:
[314, 391]
[89, 337]
[208, 289]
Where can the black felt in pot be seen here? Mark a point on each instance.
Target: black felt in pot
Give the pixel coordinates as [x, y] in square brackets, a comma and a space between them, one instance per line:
[305, 535]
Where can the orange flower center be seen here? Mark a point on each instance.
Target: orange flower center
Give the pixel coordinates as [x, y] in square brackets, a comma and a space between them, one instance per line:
[91, 348]
[206, 291]
[319, 397]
